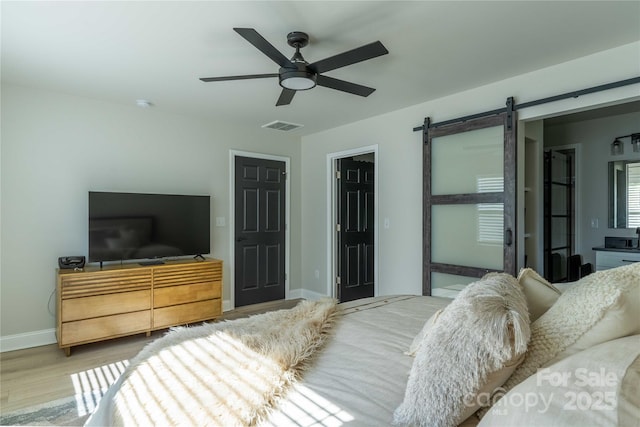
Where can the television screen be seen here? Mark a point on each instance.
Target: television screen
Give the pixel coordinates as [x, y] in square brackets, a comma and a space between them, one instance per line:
[126, 226]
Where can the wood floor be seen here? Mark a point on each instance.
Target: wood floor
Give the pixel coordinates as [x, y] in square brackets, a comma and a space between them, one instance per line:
[42, 374]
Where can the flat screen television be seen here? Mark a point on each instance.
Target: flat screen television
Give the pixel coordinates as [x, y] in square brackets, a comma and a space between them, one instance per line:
[134, 226]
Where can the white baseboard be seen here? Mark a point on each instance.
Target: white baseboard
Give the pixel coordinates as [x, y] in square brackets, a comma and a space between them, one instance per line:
[27, 340]
[295, 294]
[305, 294]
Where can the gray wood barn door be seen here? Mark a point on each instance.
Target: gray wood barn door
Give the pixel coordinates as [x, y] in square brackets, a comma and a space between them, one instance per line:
[469, 212]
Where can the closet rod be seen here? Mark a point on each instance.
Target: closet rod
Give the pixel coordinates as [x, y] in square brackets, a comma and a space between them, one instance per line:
[567, 95]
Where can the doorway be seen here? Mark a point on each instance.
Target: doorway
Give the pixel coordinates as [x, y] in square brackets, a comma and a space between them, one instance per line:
[259, 231]
[584, 131]
[352, 228]
[559, 212]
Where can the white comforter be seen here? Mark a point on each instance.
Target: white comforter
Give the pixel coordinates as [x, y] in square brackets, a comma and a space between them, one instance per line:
[359, 377]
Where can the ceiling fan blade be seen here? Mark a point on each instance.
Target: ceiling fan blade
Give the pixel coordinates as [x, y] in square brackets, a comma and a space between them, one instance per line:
[246, 77]
[285, 97]
[359, 54]
[343, 86]
[253, 37]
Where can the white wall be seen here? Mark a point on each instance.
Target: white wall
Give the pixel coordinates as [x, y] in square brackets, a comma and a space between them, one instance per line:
[595, 137]
[400, 157]
[55, 148]
[534, 202]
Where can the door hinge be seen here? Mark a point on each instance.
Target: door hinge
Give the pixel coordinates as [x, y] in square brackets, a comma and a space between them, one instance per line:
[338, 175]
[337, 227]
[285, 276]
[285, 175]
[337, 280]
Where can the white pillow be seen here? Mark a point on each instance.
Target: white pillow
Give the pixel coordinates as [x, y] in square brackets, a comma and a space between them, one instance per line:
[598, 386]
[540, 294]
[600, 307]
[483, 331]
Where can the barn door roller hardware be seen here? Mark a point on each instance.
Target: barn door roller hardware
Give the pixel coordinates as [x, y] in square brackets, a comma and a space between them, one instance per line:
[511, 106]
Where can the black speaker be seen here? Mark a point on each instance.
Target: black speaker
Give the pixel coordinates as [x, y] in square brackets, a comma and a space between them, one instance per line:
[71, 262]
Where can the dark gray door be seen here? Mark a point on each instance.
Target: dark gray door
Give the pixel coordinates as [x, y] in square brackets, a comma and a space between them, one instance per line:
[356, 229]
[259, 230]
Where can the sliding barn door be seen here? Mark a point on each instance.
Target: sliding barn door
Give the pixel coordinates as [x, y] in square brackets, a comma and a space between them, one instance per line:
[469, 201]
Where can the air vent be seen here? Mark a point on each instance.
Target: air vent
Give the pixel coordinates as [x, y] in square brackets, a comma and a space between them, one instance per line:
[280, 125]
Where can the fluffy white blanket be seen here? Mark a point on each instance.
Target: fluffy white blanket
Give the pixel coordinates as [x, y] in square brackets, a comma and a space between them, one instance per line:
[221, 374]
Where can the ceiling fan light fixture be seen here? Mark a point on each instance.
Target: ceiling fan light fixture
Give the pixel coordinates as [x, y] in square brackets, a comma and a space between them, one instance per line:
[297, 79]
[297, 74]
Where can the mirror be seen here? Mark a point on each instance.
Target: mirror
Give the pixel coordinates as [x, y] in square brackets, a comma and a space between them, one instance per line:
[624, 194]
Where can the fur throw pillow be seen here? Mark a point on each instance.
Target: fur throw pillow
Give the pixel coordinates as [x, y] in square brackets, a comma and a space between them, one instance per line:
[484, 329]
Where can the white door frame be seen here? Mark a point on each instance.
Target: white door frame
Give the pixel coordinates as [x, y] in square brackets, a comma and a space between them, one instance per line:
[232, 215]
[331, 215]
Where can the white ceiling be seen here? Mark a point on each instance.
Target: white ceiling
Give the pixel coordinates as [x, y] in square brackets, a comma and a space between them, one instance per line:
[123, 51]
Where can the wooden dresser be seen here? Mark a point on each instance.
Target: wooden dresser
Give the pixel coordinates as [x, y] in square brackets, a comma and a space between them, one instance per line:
[98, 304]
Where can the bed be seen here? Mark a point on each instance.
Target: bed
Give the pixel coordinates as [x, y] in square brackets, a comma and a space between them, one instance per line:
[397, 360]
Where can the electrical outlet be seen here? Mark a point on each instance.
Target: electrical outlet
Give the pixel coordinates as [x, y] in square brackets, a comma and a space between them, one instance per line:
[595, 223]
[220, 221]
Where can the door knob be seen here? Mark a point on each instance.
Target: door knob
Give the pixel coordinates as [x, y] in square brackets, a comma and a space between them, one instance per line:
[241, 239]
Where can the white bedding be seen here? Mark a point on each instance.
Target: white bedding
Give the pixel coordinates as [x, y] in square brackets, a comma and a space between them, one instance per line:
[361, 375]
[358, 378]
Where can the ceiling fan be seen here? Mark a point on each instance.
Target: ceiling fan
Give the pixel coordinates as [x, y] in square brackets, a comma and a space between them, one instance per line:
[297, 74]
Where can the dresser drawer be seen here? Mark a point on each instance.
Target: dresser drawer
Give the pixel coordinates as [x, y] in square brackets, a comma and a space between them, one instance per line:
[103, 282]
[176, 275]
[186, 313]
[104, 327]
[174, 295]
[105, 305]
[608, 259]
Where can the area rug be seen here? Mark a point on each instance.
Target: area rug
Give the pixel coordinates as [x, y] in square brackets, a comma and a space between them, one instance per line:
[60, 412]
[220, 374]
